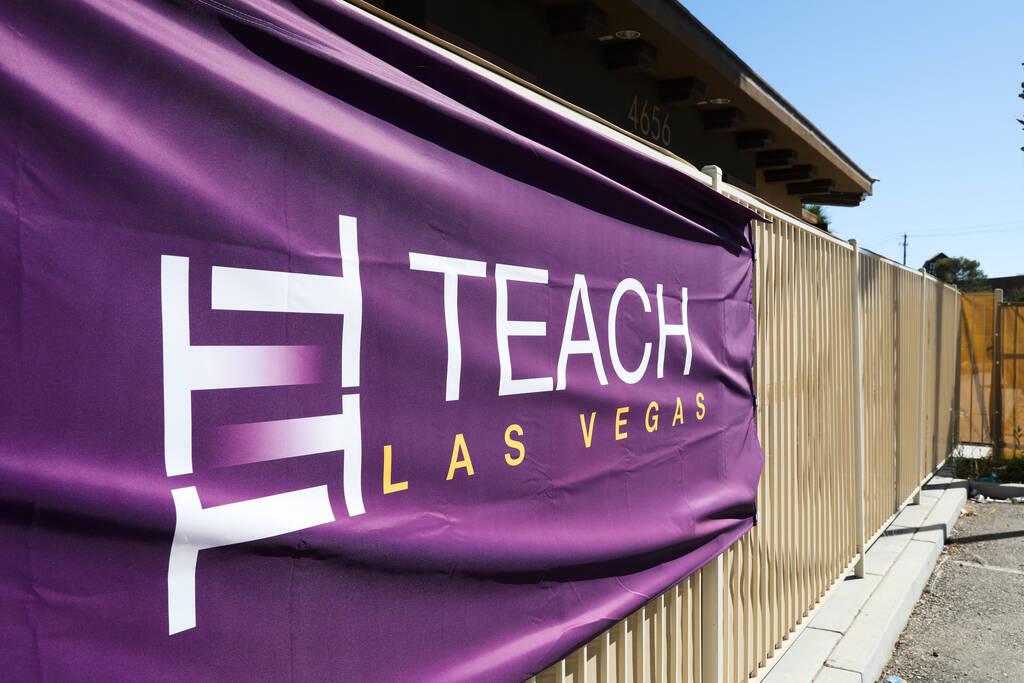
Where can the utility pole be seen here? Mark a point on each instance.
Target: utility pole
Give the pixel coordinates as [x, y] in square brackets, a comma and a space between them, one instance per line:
[904, 248]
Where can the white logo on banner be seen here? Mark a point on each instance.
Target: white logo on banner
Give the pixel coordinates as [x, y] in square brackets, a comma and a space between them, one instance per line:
[189, 368]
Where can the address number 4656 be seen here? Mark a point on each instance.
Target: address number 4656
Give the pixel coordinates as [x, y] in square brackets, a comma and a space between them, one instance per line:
[647, 121]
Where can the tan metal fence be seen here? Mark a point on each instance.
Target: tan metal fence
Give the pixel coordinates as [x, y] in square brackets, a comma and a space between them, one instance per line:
[728, 621]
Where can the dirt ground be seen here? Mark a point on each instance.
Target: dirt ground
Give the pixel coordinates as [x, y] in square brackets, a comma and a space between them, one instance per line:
[969, 623]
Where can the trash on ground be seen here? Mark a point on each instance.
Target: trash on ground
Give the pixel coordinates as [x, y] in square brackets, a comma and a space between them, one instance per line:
[982, 498]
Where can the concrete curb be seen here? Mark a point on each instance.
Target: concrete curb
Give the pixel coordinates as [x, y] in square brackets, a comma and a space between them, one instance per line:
[852, 634]
[997, 490]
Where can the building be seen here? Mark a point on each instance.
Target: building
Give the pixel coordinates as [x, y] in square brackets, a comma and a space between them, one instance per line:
[1010, 285]
[929, 265]
[650, 68]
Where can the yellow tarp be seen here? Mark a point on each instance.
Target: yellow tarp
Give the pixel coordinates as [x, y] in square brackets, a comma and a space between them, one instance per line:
[992, 394]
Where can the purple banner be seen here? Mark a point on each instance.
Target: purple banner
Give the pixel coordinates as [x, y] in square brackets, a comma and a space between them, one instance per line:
[327, 357]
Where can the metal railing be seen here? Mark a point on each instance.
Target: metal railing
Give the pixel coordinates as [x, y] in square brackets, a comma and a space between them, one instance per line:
[839, 462]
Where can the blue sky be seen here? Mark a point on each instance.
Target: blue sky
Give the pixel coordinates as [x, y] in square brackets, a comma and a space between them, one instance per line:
[922, 95]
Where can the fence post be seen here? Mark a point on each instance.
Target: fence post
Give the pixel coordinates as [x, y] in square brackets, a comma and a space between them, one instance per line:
[958, 378]
[920, 393]
[716, 177]
[712, 586]
[997, 374]
[858, 414]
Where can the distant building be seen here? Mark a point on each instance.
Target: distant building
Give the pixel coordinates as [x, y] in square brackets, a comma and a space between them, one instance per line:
[1009, 284]
[930, 263]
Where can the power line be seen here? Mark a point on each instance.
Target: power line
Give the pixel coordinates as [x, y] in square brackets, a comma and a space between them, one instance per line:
[959, 233]
[982, 227]
[873, 243]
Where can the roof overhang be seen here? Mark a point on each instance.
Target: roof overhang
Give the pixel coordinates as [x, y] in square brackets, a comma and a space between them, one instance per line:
[684, 48]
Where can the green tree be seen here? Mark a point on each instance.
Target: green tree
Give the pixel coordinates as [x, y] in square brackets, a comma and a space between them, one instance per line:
[963, 272]
[819, 211]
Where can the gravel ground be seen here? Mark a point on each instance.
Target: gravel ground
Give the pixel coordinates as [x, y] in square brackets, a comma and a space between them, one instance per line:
[969, 623]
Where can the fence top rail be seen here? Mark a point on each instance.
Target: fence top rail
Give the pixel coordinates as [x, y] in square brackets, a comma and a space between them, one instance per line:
[775, 214]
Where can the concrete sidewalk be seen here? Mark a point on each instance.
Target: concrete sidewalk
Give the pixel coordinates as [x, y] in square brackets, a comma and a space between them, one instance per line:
[851, 635]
